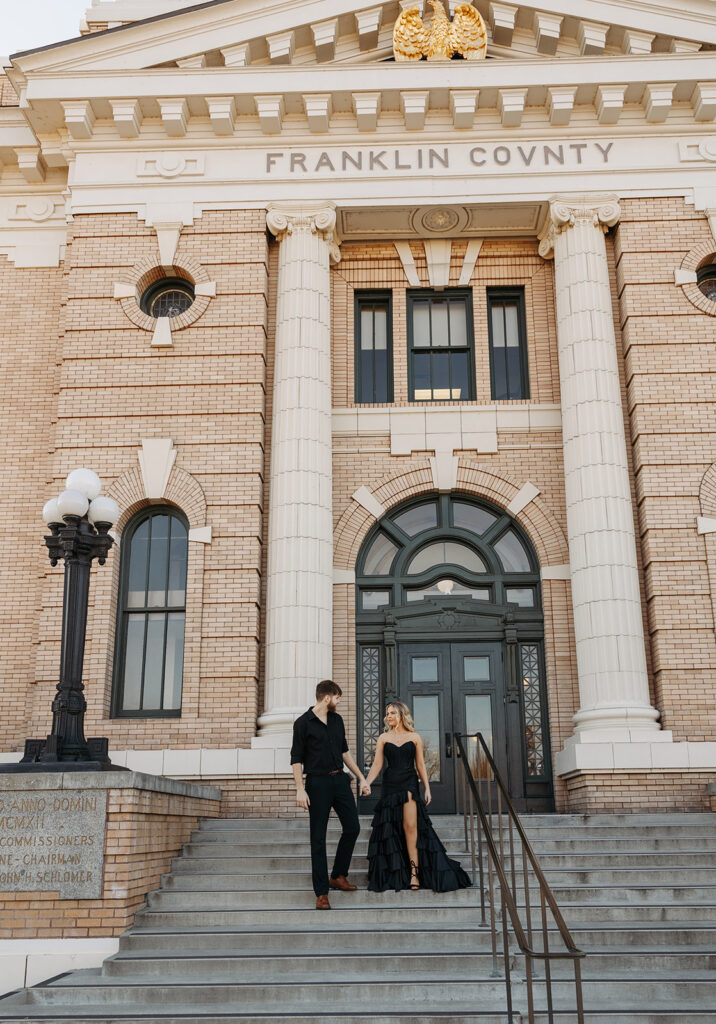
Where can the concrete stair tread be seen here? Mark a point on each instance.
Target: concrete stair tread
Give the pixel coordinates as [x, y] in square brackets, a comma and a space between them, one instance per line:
[129, 1016]
[228, 938]
[135, 1015]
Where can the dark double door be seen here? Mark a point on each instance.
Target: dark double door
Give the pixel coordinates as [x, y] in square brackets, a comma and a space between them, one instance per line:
[461, 687]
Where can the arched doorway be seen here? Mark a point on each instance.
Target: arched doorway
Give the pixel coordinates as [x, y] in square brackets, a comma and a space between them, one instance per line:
[449, 619]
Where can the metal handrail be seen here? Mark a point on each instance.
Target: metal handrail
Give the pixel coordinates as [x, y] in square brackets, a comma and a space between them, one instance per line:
[496, 861]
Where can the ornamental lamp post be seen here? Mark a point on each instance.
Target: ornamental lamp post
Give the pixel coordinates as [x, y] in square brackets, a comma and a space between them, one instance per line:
[79, 521]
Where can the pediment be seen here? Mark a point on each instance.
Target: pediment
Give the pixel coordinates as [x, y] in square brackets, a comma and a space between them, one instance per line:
[251, 33]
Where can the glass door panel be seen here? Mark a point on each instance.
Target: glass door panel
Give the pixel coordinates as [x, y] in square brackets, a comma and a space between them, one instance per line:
[425, 686]
[478, 703]
[478, 719]
[426, 715]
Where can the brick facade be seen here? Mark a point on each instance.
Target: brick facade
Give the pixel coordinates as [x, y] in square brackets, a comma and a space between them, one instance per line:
[94, 387]
[671, 387]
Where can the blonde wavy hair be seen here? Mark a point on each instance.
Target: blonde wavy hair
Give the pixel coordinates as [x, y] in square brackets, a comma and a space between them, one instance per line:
[406, 719]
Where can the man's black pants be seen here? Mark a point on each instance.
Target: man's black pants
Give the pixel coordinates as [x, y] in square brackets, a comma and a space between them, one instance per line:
[326, 792]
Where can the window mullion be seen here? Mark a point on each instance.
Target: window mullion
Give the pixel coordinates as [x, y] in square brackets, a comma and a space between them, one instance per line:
[144, 660]
[162, 700]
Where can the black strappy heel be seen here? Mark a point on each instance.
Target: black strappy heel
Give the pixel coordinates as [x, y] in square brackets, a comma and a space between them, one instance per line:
[414, 880]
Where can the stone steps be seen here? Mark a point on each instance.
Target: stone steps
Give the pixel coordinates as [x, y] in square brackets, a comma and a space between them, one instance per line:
[231, 937]
[368, 966]
[638, 938]
[202, 847]
[250, 863]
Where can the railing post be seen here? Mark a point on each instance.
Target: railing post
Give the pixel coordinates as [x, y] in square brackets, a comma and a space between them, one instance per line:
[482, 809]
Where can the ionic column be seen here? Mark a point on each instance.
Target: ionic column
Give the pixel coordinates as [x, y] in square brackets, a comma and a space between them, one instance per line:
[611, 659]
[299, 650]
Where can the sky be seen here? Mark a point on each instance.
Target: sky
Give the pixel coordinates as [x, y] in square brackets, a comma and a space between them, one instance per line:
[25, 24]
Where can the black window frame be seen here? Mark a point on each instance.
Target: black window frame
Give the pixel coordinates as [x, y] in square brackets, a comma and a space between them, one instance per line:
[418, 294]
[706, 273]
[117, 711]
[516, 294]
[370, 298]
[163, 284]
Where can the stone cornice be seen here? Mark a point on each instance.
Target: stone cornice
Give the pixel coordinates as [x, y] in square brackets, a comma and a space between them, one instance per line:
[211, 26]
[227, 97]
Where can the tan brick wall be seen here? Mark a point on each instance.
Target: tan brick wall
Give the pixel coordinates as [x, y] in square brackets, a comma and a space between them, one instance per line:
[670, 378]
[258, 796]
[31, 302]
[598, 792]
[206, 393]
[144, 831]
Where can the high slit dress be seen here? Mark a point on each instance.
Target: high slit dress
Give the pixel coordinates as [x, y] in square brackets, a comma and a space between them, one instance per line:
[388, 861]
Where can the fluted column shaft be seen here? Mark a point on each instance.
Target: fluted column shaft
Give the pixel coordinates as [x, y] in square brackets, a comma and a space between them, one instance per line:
[300, 530]
[611, 658]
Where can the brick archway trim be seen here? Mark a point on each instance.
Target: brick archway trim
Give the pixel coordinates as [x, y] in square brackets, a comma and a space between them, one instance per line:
[473, 478]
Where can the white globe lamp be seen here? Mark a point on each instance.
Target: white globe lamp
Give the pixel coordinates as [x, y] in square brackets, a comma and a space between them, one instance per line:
[72, 503]
[103, 510]
[86, 481]
[50, 512]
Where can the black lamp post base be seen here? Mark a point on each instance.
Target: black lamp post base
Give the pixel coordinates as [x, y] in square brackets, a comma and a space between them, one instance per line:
[44, 756]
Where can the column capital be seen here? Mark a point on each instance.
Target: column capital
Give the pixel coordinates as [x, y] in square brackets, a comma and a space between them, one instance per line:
[602, 211]
[284, 219]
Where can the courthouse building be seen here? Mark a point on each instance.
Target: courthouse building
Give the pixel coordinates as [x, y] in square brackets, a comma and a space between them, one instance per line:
[401, 371]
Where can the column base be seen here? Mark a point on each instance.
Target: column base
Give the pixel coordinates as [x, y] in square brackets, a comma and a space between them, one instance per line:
[279, 721]
[617, 718]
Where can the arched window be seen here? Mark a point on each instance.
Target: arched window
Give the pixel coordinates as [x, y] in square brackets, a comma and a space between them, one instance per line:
[449, 619]
[447, 547]
[152, 609]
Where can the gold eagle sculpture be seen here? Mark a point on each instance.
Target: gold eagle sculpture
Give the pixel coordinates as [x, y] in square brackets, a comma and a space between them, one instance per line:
[466, 34]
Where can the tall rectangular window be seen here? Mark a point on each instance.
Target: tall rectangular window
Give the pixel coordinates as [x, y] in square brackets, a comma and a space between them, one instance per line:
[373, 347]
[508, 343]
[149, 656]
[440, 346]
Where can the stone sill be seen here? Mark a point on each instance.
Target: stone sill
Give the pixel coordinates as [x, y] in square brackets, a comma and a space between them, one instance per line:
[267, 756]
[108, 780]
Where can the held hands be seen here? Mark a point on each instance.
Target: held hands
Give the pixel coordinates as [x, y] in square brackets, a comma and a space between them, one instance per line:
[428, 796]
[302, 799]
[364, 788]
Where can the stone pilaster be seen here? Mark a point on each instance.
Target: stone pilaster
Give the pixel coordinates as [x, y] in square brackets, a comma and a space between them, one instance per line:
[300, 534]
[611, 659]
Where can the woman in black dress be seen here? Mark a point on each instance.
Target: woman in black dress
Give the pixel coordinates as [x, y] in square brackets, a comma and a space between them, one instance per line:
[403, 850]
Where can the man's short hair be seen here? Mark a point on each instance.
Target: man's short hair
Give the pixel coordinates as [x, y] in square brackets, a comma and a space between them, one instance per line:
[328, 688]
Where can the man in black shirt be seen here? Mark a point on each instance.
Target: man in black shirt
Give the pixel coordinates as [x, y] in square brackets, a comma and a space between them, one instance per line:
[319, 745]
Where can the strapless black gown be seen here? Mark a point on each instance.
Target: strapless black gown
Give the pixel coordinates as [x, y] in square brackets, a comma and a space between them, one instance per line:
[388, 861]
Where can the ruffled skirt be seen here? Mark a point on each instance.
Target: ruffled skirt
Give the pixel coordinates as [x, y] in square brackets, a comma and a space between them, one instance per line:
[388, 861]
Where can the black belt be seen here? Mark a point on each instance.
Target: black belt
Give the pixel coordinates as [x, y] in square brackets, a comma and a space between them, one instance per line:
[338, 771]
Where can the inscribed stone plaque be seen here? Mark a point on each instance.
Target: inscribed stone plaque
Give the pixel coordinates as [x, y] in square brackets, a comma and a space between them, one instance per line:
[52, 840]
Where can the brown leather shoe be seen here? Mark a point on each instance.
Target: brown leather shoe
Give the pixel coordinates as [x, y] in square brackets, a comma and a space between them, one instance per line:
[342, 883]
[322, 903]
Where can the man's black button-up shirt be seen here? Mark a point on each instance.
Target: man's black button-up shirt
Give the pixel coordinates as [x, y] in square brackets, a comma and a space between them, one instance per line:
[318, 747]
